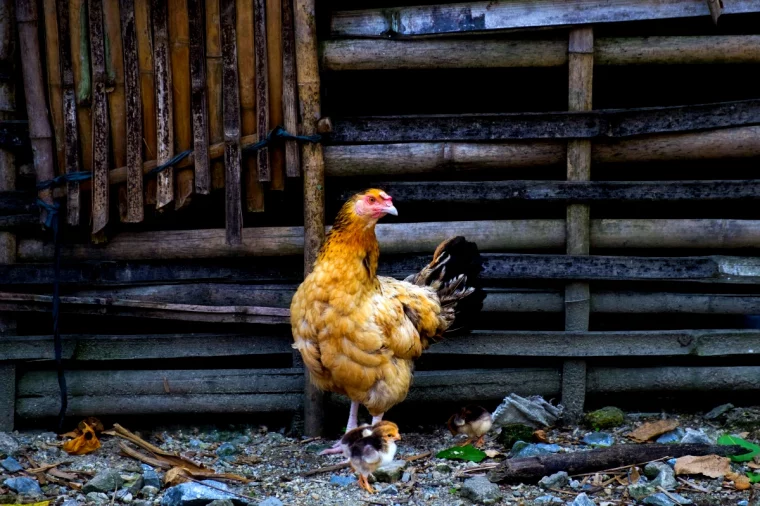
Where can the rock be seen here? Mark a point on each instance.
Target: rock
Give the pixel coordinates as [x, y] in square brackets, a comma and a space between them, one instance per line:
[745, 418]
[660, 499]
[532, 411]
[548, 499]
[23, 485]
[136, 486]
[390, 490]
[142, 503]
[639, 491]
[556, 480]
[149, 491]
[481, 491]
[696, 436]
[574, 484]
[514, 432]
[665, 479]
[222, 502]
[196, 494]
[583, 500]
[342, 481]
[442, 468]
[674, 436]
[391, 472]
[124, 495]
[67, 502]
[11, 465]
[605, 418]
[271, 501]
[598, 439]
[407, 476]
[652, 469]
[105, 481]
[97, 498]
[150, 477]
[226, 450]
[719, 411]
[8, 445]
[523, 449]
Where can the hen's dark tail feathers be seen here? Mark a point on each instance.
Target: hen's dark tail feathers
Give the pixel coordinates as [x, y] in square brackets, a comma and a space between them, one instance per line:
[454, 273]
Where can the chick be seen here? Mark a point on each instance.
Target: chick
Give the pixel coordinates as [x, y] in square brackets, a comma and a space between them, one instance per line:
[473, 421]
[371, 452]
[352, 436]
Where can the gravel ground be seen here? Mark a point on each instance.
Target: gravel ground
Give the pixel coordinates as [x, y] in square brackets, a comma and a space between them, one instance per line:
[274, 464]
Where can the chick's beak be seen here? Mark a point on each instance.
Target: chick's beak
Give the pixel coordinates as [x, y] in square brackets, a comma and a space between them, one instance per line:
[397, 438]
[391, 210]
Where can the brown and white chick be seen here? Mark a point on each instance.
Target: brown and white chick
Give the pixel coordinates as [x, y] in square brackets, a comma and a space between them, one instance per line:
[352, 436]
[373, 451]
[473, 421]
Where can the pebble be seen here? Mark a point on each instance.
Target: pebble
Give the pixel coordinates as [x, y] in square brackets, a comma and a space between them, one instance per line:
[221, 502]
[342, 481]
[523, 449]
[696, 436]
[605, 418]
[23, 485]
[391, 472]
[556, 480]
[548, 499]
[406, 477]
[97, 498]
[192, 493]
[226, 450]
[640, 490]
[70, 502]
[150, 491]
[8, 445]
[660, 499]
[719, 411]
[11, 465]
[150, 477]
[271, 501]
[105, 481]
[674, 436]
[136, 486]
[598, 439]
[583, 500]
[481, 491]
[390, 490]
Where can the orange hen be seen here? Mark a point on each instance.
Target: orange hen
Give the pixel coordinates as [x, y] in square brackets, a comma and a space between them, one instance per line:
[359, 333]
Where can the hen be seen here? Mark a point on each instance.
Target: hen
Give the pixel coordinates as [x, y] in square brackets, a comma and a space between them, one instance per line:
[359, 333]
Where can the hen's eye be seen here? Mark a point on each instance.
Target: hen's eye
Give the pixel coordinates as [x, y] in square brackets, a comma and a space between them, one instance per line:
[372, 200]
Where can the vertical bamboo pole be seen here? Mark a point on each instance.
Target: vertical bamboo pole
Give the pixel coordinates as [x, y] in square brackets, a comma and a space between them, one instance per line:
[164, 109]
[70, 133]
[246, 70]
[199, 107]
[289, 99]
[179, 40]
[40, 133]
[143, 25]
[80, 62]
[55, 95]
[314, 172]
[262, 86]
[100, 188]
[577, 297]
[214, 85]
[274, 57]
[134, 117]
[231, 113]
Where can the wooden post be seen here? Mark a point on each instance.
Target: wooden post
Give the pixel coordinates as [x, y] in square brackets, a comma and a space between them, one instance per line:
[199, 98]
[307, 69]
[100, 188]
[165, 109]
[214, 87]
[179, 42]
[577, 298]
[143, 27]
[289, 98]
[261, 83]
[55, 96]
[274, 56]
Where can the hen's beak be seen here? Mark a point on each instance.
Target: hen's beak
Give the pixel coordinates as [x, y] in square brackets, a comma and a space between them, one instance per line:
[391, 210]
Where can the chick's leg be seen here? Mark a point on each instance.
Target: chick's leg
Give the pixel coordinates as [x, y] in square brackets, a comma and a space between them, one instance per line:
[465, 442]
[353, 422]
[363, 483]
[377, 418]
[480, 441]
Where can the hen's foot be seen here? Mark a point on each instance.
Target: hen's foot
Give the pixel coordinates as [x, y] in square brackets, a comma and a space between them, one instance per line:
[333, 450]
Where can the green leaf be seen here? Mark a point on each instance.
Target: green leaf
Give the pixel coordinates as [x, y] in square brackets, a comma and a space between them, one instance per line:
[735, 440]
[468, 452]
[753, 477]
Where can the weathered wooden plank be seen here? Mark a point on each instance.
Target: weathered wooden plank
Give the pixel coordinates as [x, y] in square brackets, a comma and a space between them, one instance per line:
[16, 202]
[143, 26]
[54, 81]
[18, 222]
[275, 64]
[362, 54]
[289, 98]
[164, 103]
[81, 68]
[100, 127]
[7, 396]
[262, 86]
[678, 380]
[134, 118]
[213, 38]
[199, 97]
[488, 16]
[13, 133]
[179, 42]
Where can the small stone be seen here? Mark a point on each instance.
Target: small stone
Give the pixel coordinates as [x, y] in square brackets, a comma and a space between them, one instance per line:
[665, 479]
[221, 502]
[574, 484]
[226, 450]
[639, 491]
[342, 481]
[23, 485]
[583, 500]
[548, 499]
[514, 432]
[149, 491]
[407, 476]
[106, 481]
[271, 501]
[97, 498]
[136, 486]
[742, 503]
[556, 480]
[196, 494]
[8, 445]
[150, 477]
[659, 499]
[696, 436]
[652, 469]
[523, 449]
[195, 443]
[598, 439]
[719, 411]
[605, 418]
[391, 472]
[674, 436]
[241, 440]
[442, 468]
[125, 497]
[481, 491]
[11, 465]
[390, 490]
[67, 502]
[745, 418]
[142, 503]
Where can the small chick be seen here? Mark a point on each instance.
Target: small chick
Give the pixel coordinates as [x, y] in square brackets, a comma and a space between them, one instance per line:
[473, 421]
[352, 437]
[373, 451]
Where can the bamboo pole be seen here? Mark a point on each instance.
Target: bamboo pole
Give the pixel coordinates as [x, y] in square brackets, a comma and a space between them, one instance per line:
[55, 93]
[134, 119]
[261, 83]
[199, 98]
[254, 190]
[179, 42]
[80, 63]
[289, 94]
[164, 107]
[307, 67]
[40, 133]
[214, 66]
[143, 26]
[275, 59]
[100, 184]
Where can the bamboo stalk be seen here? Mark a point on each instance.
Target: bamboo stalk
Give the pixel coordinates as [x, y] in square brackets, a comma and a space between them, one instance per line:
[117, 105]
[232, 155]
[274, 57]
[164, 109]
[143, 26]
[289, 99]
[55, 93]
[80, 61]
[254, 190]
[214, 66]
[179, 42]
[40, 132]
[199, 99]
[134, 120]
[100, 187]
[261, 83]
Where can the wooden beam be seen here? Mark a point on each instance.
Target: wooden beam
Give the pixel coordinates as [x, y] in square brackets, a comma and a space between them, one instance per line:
[7, 396]
[481, 16]
[673, 380]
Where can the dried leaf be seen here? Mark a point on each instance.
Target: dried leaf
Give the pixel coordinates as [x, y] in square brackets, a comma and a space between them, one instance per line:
[753, 465]
[92, 422]
[41, 503]
[86, 443]
[175, 476]
[62, 474]
[492, 453]
[540, 436]
[633, 475]
[653, 429]
[741, 482]
[711, 466]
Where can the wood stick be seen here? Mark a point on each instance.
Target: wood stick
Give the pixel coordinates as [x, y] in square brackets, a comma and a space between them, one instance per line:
[289, 97]
[261, 84]
[254, 190]
[40, 132]
[164, 102]
[80, 61]
[232, 104]
[179, 43]
[199, 98]
[143, 27]
[275, 59]
[214, 66]
[55, 93]
[100, 187]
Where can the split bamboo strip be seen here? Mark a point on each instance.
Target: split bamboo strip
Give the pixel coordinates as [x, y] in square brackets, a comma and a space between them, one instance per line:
[80, 60]
[164, 107]
[179, 42]
[254, 190]
[70, 132]
[100, 187]
[307, 68]
[143, 26]
[261, 84]
[214, 66]
[274, 56]
[134, 119]
[289, 98]
[40, 132]
[232, 156]
[199, 99]
[55, 94]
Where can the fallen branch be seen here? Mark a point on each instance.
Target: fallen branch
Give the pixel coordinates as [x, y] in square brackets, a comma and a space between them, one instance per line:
[174, 459]
[531, 469]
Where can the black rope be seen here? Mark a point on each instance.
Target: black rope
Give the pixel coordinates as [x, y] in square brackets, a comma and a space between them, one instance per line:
[280, 133]
[173, 161]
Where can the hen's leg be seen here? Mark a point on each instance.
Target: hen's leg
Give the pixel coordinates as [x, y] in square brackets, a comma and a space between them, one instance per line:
[353, 422]
[377, 418]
